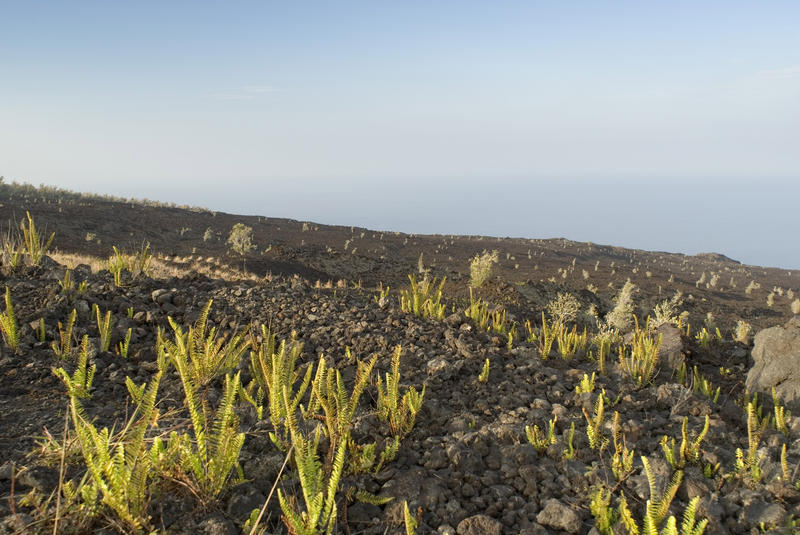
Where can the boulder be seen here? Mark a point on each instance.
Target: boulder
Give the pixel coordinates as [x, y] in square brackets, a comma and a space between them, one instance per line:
[671, 351]
[776, 362]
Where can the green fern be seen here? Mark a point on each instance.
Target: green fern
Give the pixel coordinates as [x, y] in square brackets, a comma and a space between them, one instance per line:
[689, 451]
[547, 337]
[8, 323]
[206, 356]
[105, 324]
[423, 299]
[409, 521]
[642, 362]
[319, 512]
[622, 460]
[594, 427]
[139, 263]
[330, 394]
[569, 453]
[124, 346]
[658, 505]
[211, 453]
[274, 370]
[120, 465]
[399, 412]
[484, 375]
[35, 246]
[569, 341]
[751, 464]
[604, 515]
[116, 264]
[538, 439]
[63, 347]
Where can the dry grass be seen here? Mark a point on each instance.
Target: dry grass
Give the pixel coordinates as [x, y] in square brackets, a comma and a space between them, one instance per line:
[162, 267]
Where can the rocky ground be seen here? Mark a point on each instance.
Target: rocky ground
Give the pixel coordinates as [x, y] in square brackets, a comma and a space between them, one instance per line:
[467, 466]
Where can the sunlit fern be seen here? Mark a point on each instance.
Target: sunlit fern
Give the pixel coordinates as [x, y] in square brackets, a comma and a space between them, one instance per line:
[399, 412]
[8, 323]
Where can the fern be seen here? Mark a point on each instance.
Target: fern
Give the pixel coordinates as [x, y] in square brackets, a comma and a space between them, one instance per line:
[752, 463]
[116, 264]
[331, 396]
[35, 246]
[120, 466]
[319, 512]
[409, 521]
[570, 342]
[124, 346]
[274, 370]
[689, 451]
[139, 263]
[63, 347]
[689, 526]
[586, 385]
[594, 425]
[105, 324]
[604, 515]
[206, 355]
[548, 336]
[622, 460]
[540, 441]
[8, 323]
[212, 452]
[641, 364]
[399, 412]
[423, 299]
[658, 504]
[484, 375]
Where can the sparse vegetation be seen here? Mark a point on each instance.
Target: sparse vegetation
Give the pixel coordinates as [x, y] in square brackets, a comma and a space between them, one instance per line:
[480, 268]
[242, 401]
[241, 240]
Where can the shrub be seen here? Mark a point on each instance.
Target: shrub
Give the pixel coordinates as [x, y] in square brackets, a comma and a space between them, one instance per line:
[667, 311]
[480, 268]
[241, 240]
[742, 332]
[621, 318]
[564, 308]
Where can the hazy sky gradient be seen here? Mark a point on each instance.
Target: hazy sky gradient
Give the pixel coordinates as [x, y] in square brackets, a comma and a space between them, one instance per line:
[658, 125]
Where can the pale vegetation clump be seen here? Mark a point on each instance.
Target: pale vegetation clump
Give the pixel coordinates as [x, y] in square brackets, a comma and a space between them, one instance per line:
[742, 332]
[241, 239]
[480, 268]
[796, 307]
[667, 311]
[622, 317]
[752, 285]
[564, 308]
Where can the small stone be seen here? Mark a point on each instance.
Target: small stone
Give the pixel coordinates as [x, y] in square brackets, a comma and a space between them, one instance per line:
[479, 525]
[557, 515]
[217, 525]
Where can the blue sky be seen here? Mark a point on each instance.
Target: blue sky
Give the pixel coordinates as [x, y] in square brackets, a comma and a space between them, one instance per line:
[657, 125]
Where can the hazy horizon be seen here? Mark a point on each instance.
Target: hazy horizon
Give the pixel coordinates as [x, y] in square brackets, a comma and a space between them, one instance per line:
[659, 126]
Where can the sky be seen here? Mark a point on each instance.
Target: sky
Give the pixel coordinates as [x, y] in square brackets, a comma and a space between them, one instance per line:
[663, 125]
